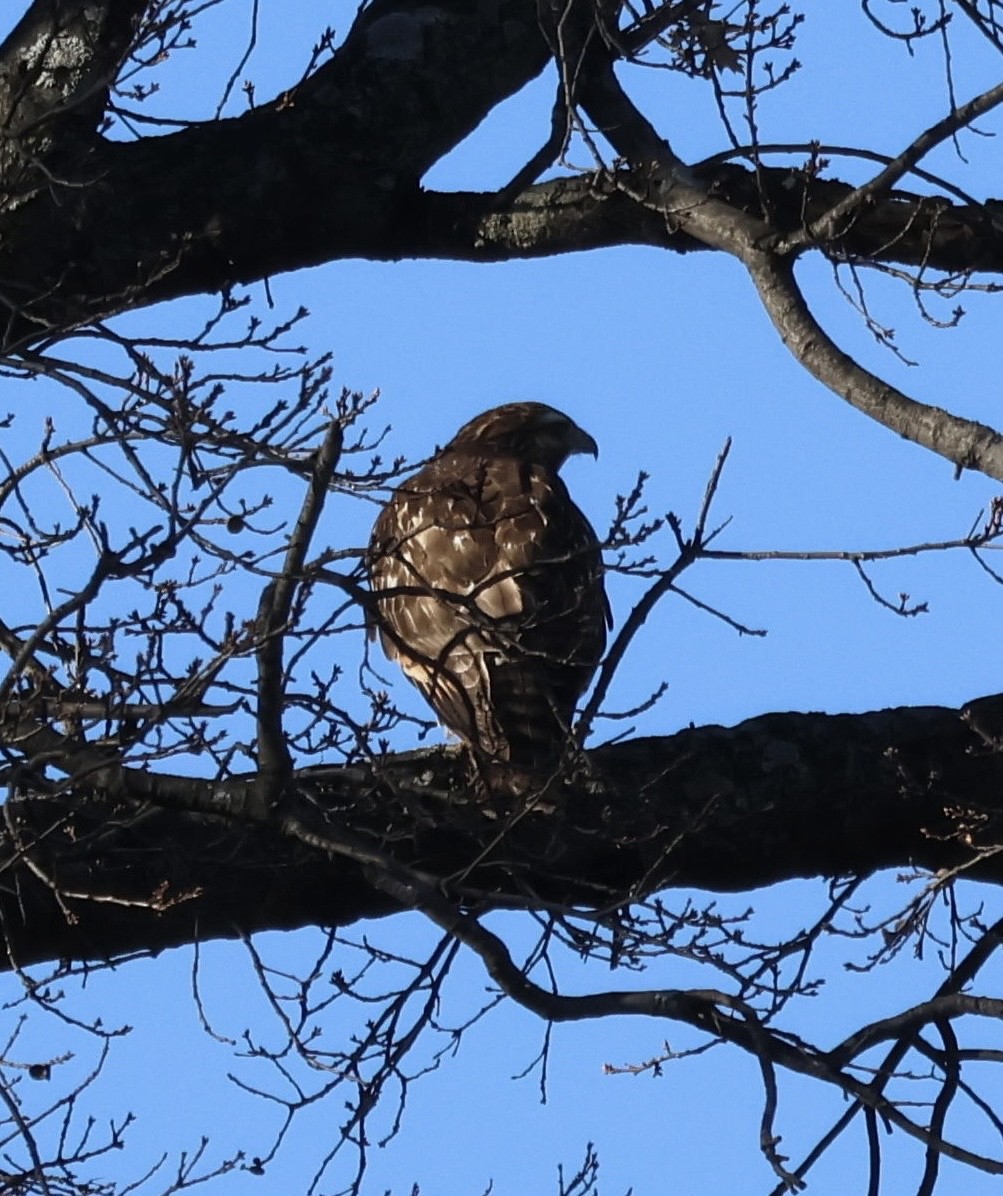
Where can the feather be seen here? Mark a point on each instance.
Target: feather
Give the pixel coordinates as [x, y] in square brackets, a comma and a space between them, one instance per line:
[489, 585]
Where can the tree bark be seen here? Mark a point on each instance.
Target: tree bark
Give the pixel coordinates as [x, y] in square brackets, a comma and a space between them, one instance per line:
[135, 861]
[332, 167]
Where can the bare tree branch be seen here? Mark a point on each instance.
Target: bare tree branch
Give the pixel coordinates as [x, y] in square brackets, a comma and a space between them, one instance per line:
[702, 809]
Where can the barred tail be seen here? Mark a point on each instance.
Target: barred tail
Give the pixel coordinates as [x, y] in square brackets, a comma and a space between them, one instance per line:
[530, 722]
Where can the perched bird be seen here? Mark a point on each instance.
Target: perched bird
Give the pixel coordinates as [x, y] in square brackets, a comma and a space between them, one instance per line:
[488, 585]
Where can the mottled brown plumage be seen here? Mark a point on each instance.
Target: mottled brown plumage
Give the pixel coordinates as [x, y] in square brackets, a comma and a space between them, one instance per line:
[489, 586]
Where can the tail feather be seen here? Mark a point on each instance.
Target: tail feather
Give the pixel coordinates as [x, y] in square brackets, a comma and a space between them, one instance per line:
[531, 726]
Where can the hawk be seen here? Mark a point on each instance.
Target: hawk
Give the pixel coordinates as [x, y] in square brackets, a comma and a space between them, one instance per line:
[488, 585]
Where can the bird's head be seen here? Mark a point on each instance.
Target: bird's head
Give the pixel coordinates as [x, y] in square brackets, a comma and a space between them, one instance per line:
[534, 432]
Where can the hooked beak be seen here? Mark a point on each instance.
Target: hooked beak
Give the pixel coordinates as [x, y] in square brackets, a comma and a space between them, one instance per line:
[581, 442]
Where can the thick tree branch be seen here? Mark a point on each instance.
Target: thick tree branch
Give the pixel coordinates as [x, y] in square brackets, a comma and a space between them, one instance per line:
[344, 148]
[331, 169]
[965, 442]
[132, 860]
[57, 67]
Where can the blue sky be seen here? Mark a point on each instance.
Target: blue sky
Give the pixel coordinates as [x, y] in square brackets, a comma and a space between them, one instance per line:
[661, 358]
